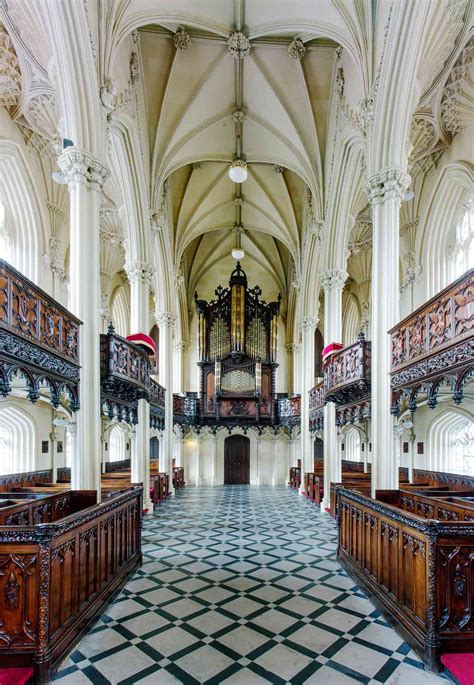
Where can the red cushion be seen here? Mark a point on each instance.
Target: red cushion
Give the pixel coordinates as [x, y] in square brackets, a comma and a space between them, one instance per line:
[461, 666]
[15, 676]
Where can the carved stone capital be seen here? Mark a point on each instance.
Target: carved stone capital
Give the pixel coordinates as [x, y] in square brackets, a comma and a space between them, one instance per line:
[79, 166]
[165, 319]
[292, 348]
[334, 278]
[182, 346]
[388, 183]
[307, 323]
[139, 271]
[105, 308]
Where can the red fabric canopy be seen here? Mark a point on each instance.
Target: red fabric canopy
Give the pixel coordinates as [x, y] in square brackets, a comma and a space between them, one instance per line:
[144, 341]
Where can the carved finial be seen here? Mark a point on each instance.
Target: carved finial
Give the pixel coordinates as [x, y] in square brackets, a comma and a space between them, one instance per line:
[296, 49]
[110, 328]
[182, 40]
[238, 45]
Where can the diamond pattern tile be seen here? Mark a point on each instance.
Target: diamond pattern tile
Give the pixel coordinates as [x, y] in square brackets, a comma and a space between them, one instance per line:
[241, 585]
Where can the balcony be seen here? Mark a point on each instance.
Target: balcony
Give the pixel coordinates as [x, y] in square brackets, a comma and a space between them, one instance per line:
[157, 405]
[185, 410]
[316, 407]
[124, 369]
[347, 374]
[289, 410]
[435, 344]
[39, 339]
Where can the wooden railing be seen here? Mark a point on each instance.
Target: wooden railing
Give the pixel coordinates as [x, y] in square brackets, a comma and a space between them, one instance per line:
[124, 368]
[289, 410]
[38, 337]
[347, 374]
[316, 407]
[56, 577]
[185, 410]
[433, 344]
[417, 568]
[157, 405]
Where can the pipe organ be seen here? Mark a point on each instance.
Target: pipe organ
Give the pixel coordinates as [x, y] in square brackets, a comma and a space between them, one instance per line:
[237, 351]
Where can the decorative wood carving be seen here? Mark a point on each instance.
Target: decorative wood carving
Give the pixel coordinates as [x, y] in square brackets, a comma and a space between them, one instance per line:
[435, 344]
[347, 374]
[38, 338]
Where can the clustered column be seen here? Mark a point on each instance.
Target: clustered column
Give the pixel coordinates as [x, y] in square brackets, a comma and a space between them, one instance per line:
[166, 322]
[385, 190]
[333, 283]
[85, 176]
[139, 275]
[307, 326]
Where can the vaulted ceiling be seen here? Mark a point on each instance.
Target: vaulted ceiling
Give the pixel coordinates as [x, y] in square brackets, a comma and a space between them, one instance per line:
[194, 100]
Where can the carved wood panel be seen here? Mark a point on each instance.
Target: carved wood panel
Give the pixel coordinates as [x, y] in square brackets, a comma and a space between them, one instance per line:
[18, 597]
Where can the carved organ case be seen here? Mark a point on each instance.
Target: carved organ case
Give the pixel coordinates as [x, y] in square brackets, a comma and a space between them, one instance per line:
[237, 352]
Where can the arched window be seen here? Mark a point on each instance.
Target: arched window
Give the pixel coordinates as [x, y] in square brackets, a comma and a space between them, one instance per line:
[17, 441]
[462, 257]
[451, 443]
[116, 444]
[351, 321]
[120, 312]
[352, 444]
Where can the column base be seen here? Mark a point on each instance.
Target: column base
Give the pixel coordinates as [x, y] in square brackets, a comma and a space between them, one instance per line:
[325, 506]
[147, 505]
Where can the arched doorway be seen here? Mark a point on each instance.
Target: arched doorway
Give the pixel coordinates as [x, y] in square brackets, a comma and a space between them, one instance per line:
[236, 460]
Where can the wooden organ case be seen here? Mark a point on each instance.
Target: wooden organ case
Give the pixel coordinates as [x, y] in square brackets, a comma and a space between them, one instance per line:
[237, 353]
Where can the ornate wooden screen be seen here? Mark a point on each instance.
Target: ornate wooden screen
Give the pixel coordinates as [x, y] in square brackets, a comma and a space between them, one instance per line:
[237, 351]
[38, 339]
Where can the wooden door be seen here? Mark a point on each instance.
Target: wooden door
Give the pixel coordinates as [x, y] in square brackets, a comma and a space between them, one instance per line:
[237, 460]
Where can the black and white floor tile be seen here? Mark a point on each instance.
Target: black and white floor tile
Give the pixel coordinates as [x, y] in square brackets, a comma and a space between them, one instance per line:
[240, 585]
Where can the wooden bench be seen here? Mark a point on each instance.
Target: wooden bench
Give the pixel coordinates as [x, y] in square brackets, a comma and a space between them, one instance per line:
[294, 480]
[58, 574]
[178, 477]
[418, 568]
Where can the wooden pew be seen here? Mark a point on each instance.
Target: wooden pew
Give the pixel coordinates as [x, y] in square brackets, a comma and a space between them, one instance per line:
[57, 578]
[294, 480]
[178, 477]
[416, 567]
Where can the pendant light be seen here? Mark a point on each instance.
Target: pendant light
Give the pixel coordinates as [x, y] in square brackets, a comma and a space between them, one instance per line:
[238, 169]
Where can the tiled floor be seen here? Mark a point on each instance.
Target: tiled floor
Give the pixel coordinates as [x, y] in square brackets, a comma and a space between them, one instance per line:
[240, 585]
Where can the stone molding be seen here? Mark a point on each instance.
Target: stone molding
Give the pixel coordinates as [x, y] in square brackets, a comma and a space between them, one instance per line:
[79, 166]
[388, 183]
[307, 322]
[139, 271]
[334, 278]
[182, 40]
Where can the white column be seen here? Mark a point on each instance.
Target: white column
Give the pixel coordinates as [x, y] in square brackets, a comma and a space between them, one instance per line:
[53, 437]
[385, 190]
[103, 452]
[411, 455]
[333, 284]
[85, 176]
[139, 275]
[214, 458]
[398, 430]
[307, 326]
[166, 322]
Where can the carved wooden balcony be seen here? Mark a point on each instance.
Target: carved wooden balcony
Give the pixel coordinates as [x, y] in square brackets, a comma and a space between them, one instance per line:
[185, 410]
[316, 407]
[157, 405]
[39, 339]
[347, 374]
[435, 344]
[124, 369]
[289, 410]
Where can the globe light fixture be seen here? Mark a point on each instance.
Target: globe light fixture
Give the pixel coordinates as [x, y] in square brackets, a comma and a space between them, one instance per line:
[238, 171]
[238, 253]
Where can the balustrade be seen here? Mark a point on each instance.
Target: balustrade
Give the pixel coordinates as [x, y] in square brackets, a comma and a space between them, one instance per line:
[435, 344]
[347, 374]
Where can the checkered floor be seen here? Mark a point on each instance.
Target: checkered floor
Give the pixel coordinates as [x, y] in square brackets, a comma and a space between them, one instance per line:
[240, 585]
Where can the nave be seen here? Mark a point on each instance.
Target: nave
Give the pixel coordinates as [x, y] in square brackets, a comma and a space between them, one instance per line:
[240, 584]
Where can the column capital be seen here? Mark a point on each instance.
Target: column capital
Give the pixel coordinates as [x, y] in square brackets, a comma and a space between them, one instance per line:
[307, 322]
[79, 166]
[292, 348]
[138, 271]
[182, 345]
[165, 319]
[333, 279]
[388, 183]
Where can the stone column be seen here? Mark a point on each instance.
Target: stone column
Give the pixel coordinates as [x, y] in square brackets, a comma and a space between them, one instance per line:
[85, 176]
[214, 458]
[180, 349]
[53, 437]
[411, 455]
[291, 351]
[139, 275]
[307, 326]
[333, 284]
[385, 190]
[166, 322]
